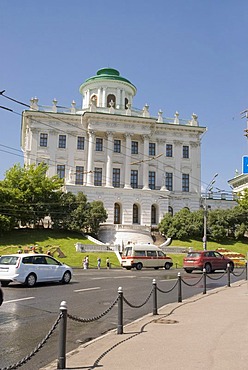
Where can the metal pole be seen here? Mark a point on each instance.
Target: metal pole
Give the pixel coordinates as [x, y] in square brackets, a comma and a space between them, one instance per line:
[246, 271]
[155, 300]
[204, 281]
[205, 225]
[120, 311]
[179, 287]
[62, 337]
[228, 275]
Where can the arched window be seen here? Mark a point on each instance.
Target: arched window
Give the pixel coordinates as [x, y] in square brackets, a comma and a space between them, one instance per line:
[135, 214]
[93, 99]
[153, 215]
[126, 103]
[170, 210]
[117, 214]
[111, 97]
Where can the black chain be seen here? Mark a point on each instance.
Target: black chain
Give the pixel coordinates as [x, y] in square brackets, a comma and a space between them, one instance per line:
[81, 319]
[211, 278]
[167, 291]
[138, 306]
[194, 283]
[240, 273]
[39, 346]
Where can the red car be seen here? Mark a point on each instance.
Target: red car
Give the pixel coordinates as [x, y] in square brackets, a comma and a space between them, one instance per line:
[210, 260]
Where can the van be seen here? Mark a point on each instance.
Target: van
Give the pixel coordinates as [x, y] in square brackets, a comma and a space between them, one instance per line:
[145, 255]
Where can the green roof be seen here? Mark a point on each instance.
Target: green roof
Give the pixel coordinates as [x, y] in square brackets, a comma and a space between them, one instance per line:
[107, 74]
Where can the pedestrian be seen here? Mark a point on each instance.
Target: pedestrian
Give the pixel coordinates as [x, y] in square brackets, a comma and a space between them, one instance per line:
[49, 253]
[84, 263]
[107, 263]
[87, 262]
[99, 263]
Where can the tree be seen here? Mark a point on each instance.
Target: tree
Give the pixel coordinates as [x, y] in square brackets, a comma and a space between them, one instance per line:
[31, 194]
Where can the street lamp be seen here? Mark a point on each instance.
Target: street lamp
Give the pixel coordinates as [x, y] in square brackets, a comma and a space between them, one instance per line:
[208, 189]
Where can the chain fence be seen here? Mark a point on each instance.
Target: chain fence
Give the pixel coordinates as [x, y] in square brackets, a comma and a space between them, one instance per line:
[138, 306]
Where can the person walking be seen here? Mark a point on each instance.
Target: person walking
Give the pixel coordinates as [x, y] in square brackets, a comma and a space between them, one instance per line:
[107, 263]
[87, 262]
[99, 263]
[84, 263]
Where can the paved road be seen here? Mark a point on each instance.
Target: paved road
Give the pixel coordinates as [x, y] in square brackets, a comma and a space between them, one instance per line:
[28, 314]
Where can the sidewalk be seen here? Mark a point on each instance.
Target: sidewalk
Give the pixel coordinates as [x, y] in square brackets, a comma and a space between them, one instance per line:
[203, 332]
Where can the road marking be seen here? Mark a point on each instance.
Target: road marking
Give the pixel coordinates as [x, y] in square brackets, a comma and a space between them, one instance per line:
[86, 289]
[113, 277]
[18, 300]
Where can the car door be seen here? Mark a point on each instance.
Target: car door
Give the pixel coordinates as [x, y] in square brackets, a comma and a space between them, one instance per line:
[54, 269]
[220, 263]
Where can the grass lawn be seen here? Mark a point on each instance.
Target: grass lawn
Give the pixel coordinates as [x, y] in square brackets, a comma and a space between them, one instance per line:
[47, 239]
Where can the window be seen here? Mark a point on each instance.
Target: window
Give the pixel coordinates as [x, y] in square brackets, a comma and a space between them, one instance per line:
[152, 179]
[117, 146]
[185, 151]
[169, 152]
[169, 181]
[43, 139]
[80, 143]
[117, 214]
[126, 103]
[134, 178]
[98, 177]
[111, 97]
[151, 254]
[152, 149]
[140, 253]
[135, 214]
[135, 146]
[116, 177]
[99, 144]
[61, 171]
[62, 141]
[79, 175]
[153, 215]
[185, 182]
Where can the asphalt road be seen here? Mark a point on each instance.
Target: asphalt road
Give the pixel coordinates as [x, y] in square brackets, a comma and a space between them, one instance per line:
[28, 314]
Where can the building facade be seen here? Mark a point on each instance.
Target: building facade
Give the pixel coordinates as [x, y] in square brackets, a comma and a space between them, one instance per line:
[139, 166]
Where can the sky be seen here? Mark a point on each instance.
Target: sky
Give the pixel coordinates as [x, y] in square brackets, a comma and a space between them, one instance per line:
[188, 56]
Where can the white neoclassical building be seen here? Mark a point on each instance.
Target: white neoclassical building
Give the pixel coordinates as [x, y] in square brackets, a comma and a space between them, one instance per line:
[139, 166]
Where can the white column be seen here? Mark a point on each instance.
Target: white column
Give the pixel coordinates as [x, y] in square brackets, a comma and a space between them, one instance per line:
[104, 98]
[177, 176]
[128, 162]
[99, 98]
[90, 162]
[145, 164]
[109, 169]
[118, 100]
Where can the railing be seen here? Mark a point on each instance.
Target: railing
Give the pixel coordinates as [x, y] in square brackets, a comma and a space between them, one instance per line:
[120, 299]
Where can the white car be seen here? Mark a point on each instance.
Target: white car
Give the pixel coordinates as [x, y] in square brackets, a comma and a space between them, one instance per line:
[30, 269]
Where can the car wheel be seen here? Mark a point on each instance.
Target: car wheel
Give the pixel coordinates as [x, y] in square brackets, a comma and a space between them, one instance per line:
[5, 283]
[188, 271]
[139, 266]
[66, 277]
[167, 266]
[31, 280]
[208, 268]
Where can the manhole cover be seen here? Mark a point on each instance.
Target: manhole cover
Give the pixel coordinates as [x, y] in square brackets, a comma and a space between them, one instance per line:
[165, 321]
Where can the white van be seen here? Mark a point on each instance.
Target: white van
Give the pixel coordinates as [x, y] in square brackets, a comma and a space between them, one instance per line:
[145, 255]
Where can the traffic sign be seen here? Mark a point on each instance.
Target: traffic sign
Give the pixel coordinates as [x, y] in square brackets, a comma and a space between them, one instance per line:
[245, 164]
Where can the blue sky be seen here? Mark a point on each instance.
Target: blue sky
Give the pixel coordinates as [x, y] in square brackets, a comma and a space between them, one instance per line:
[188, 56]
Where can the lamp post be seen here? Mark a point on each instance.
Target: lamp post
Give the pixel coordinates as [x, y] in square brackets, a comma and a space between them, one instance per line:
[208, 189]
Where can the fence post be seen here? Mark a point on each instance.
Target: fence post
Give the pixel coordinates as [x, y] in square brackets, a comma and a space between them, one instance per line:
[179, 287]
[120, 311]
[204, 281]
[228, 275]
[246, 271]
[155, 300]
[62, 336]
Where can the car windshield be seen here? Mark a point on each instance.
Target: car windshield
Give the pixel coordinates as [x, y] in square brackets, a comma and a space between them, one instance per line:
[193, 255]
[8, 260]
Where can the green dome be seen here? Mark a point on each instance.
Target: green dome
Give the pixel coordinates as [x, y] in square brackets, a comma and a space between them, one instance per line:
[106, 74]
